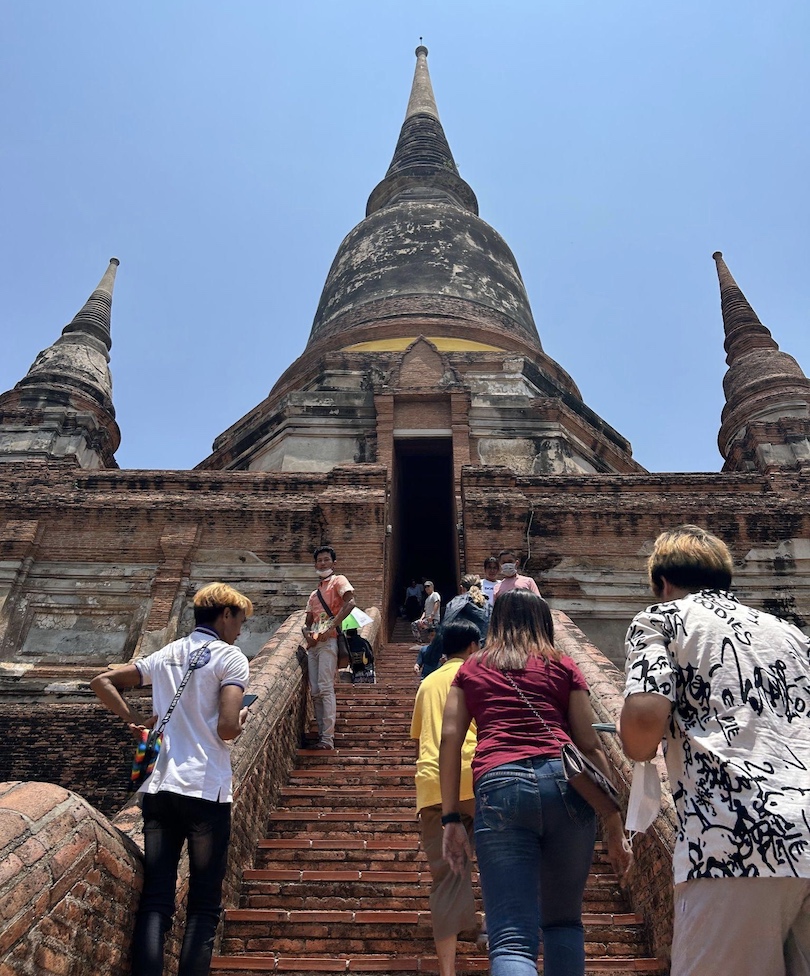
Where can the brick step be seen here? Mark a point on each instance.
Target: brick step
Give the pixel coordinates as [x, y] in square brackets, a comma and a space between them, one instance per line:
[350, 814]
[400, 887]
[306, 932]
[389, 745]
[359, 753]
[403, 965]
[374, 730]
[403, 810]
[301, 844]
[354, 791]
[361, 796]
[335, 760]
[340, 829]
[368, 775]
[407, 965]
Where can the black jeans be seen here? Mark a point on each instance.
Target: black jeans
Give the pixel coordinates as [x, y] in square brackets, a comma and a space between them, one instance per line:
[169, 819]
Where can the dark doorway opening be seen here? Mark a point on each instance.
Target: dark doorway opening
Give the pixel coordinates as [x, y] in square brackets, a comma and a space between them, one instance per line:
[425, 520]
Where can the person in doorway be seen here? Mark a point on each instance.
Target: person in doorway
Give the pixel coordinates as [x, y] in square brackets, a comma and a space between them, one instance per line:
[424, 628]
[414, 600]
[187, 798]
[509, 564]
[490, 580]
[328, 605]
[727, 688]
[452, 905]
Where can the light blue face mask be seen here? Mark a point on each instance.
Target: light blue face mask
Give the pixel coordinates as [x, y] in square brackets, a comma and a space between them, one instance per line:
[509, 569]
[645, 798]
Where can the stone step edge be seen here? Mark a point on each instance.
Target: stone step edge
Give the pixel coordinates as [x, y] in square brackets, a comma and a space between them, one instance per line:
[370, 917]
[410, 964]
[349, 844]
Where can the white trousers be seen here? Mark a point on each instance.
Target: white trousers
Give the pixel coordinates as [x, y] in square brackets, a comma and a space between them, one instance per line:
[742, 927]
[321, 668]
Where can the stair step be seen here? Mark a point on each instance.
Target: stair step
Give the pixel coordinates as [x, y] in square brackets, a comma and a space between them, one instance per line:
[409, 965]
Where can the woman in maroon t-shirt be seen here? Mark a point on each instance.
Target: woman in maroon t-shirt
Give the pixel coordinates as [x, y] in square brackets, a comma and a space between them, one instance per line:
[534, 834]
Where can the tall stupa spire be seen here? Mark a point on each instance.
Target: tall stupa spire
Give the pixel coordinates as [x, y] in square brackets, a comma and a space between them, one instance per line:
[79, 357]
[423, 166]
[422, 100]
[764, 386]
[63, 406]
[742, 326]
[93, 318]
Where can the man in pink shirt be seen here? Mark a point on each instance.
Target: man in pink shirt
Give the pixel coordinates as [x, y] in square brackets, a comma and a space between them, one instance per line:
[510, 570]
[328, 605]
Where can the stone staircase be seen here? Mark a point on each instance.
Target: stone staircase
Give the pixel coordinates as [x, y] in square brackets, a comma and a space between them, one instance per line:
[340, 883]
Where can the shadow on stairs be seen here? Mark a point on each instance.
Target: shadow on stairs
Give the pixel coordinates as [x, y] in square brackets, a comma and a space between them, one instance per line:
[340, 883]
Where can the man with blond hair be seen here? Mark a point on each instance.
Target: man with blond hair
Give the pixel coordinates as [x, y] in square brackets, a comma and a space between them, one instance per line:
[728, 689]
[188, 796]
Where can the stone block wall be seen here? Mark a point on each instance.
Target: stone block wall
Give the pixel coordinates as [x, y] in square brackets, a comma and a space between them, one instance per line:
[586, 539]
[99, 567]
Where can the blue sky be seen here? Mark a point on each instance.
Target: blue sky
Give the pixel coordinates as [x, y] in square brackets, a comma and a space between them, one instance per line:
[223, 150]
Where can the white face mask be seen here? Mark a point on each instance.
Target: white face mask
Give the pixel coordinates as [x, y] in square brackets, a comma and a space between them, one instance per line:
[509, 569]
[645, 798]
[323, 573]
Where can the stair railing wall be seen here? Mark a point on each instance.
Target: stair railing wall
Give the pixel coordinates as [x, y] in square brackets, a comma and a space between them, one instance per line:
[650, 884]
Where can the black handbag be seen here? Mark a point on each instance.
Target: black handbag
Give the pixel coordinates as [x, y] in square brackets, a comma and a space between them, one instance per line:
[589, 781]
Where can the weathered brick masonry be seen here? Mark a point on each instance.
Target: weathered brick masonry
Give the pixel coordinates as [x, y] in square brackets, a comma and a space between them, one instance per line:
[69, 878]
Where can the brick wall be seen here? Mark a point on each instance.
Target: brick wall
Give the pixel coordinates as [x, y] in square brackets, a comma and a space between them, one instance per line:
[650, 884]
[78, 746]
[69, 882]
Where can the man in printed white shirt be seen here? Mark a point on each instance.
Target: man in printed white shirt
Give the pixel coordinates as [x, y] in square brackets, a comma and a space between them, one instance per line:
[728, 689]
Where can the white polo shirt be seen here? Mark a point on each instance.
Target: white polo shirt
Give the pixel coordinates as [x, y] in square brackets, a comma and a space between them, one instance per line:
[193, 761]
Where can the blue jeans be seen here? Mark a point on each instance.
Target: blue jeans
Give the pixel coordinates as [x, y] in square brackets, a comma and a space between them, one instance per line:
[169, 819]
[534, 838]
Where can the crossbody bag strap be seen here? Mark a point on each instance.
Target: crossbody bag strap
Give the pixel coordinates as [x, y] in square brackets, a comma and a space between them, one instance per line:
[531, 708]
[192, 664]
[324, 604]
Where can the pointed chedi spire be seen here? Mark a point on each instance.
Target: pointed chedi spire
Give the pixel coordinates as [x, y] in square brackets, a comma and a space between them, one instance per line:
[63, 405]
[762, 384]
[94, 316]
[79, 357]
[422, 165]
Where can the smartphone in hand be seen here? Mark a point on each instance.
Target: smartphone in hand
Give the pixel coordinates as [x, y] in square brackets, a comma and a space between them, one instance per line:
[248, 700]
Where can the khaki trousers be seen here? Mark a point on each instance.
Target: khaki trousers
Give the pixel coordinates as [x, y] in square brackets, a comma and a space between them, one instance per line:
[742, 927]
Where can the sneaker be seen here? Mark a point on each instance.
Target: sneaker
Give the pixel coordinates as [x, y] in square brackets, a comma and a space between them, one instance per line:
[323, 745]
